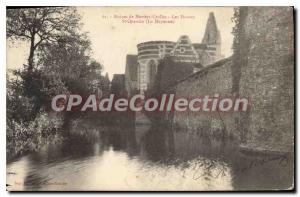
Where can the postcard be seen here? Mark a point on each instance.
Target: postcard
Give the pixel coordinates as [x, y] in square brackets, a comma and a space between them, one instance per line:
[150, 99]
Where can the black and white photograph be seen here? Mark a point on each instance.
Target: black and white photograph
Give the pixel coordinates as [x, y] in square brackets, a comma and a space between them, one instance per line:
[150, 98]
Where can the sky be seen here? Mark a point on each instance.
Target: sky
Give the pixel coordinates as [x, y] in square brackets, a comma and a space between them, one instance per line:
[112, 37]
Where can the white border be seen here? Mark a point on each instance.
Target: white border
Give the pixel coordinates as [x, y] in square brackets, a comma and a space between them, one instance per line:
[5, 3]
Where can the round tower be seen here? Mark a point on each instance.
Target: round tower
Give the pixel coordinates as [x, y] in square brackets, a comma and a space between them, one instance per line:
[149, 54]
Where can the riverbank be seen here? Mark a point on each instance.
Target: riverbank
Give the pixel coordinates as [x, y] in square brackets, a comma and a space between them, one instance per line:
[101, 158]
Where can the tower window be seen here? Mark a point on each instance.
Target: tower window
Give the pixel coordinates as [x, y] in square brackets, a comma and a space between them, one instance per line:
[182, 50]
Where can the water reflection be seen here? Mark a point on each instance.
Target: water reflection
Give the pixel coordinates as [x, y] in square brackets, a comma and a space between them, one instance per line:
[142, 158]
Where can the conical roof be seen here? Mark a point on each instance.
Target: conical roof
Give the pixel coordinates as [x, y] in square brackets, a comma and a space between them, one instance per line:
[212, 34]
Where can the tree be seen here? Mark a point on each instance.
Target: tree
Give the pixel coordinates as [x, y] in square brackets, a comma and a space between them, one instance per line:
[105, 83]
[63, 61]
[59, 62]
[40, 25]
[69, 61]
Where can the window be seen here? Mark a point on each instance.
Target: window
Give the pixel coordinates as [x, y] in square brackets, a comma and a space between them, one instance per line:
[182, 50]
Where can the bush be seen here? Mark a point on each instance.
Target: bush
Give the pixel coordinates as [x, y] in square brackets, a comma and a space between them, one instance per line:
[22, 138]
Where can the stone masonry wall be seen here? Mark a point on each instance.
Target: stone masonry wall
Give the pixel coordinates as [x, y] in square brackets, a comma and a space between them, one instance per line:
[266, 76]
[215, 79]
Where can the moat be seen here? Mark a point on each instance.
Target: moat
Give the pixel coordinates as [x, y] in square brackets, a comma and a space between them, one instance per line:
[141, 157]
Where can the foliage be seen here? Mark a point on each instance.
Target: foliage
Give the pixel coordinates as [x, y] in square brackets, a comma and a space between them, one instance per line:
[68, 61]
[59, 62]
[41, 25]
[170, 72]
[18, 106]
[62, 55]
[28, 136]
[240, 45]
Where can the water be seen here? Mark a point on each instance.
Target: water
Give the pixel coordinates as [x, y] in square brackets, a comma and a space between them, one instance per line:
[145, 158]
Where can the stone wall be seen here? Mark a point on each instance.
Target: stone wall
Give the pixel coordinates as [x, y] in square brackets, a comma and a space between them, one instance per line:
[267, 77]
[265, 74]
[214, 79]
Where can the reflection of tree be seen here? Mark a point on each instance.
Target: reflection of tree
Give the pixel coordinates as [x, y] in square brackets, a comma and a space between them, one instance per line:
[208, 168]
[159, 144]
[34, 180]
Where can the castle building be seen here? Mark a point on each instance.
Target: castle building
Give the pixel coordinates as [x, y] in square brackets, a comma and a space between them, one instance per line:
[152, 52]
